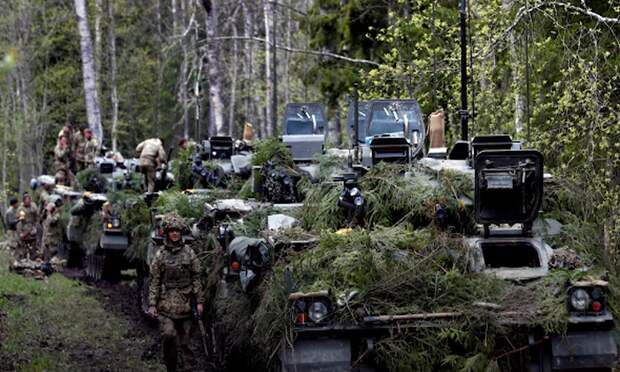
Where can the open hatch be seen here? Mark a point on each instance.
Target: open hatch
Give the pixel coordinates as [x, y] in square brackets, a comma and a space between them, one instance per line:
[508, 197]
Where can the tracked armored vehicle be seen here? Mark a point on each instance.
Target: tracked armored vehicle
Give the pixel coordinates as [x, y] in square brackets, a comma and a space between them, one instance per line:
[508, 198]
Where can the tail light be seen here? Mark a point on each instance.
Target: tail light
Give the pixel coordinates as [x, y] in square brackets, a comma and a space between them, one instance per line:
[236, 266]
[587, 298]
[311, 309]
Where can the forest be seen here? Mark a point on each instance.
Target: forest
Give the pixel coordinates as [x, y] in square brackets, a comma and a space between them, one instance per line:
[545, 72]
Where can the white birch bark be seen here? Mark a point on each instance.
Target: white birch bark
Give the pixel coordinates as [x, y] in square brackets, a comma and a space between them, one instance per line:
[267, 130]
[113, 88]
[216, 104]
[88, 71]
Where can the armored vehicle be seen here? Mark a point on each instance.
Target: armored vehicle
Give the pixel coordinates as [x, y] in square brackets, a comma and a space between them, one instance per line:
[304, 130]
[226, 156]
[108, 259]
[394, 132]
[508, 199]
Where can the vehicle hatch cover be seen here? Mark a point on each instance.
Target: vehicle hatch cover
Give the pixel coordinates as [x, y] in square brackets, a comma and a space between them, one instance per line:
[509, 186]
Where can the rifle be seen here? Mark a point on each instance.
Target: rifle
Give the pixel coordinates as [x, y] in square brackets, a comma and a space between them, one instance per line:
[203, 331]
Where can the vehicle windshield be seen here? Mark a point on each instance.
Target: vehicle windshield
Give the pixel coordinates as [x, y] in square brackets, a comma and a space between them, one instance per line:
[387, 117]
[302, 118]
[362, 114]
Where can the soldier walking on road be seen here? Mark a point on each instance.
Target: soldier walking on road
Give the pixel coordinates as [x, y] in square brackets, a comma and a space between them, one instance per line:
[152, 156]
[28, 220]
[10, 223]
[175, 282]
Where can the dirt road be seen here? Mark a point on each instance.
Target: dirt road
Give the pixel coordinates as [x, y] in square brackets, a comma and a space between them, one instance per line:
[66, 324]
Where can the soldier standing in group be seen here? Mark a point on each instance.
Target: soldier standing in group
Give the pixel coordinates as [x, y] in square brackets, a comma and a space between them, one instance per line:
[52, 232]
[44, 192]
[175, 282]
[62, 161]
[152, 155]
[27, 226]
[10, 223]
[85, 150]
[90, 148]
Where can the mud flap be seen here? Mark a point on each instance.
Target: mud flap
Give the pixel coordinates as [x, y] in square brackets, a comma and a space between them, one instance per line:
[317, 355]
[114, 242]
[584, 350]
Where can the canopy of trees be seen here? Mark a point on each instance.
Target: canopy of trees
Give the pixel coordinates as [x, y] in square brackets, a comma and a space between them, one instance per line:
[546, 72]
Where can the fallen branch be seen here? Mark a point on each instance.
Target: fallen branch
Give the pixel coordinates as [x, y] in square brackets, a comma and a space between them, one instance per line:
[303, 51]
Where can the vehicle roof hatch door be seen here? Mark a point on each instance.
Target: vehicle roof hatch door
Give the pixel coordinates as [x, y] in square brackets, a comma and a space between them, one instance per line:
[509, 186]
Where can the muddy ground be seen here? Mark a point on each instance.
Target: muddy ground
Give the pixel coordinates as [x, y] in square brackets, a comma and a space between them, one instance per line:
[67, 323]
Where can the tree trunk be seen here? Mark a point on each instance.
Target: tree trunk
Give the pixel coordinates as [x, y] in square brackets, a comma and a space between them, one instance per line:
[233, 83]
[98, 37]
[182, 95]
[248, 31]
[216, 105]
[267, 130]
[88, 71]
[516, 75]
[113, 90]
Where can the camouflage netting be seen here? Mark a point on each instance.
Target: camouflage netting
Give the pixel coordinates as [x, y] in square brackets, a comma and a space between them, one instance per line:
[412, 198]
[407, 263]
[272, 149]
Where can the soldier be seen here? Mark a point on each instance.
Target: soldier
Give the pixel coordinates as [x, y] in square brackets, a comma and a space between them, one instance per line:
[27, 226]
[175, 279]
[44, 192]
[52, 232]
[152, 155]
[62, 161]
[78, 144]
[85, 150]
[10, 223]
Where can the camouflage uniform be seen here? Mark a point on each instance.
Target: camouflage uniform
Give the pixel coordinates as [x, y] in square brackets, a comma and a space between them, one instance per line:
[27, 231]
[85, 152]
[90, 152]
[10, 221]
[174, 280]
[62, 162]
[78, 143]
[52, 235]
[152, 155]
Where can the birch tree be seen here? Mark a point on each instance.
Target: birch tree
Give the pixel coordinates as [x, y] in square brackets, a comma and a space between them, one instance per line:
[88, 71]
[216, 105]
[113, 87]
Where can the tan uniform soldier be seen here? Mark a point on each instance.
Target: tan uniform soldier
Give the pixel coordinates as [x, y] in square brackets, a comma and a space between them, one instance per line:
[62, 162]
[152, 155]
[52, 232]
[10, 223]
[28, 218]
[175, 282]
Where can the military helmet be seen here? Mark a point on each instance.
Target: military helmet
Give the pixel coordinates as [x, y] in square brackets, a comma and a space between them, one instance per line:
[173, 221]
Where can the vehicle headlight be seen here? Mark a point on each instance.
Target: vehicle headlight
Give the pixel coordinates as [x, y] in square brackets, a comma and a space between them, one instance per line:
[214, 153]
[580, 300]
[354, 191]
[286, 180]
[317, 311]
[116, 223]
[359, 200]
